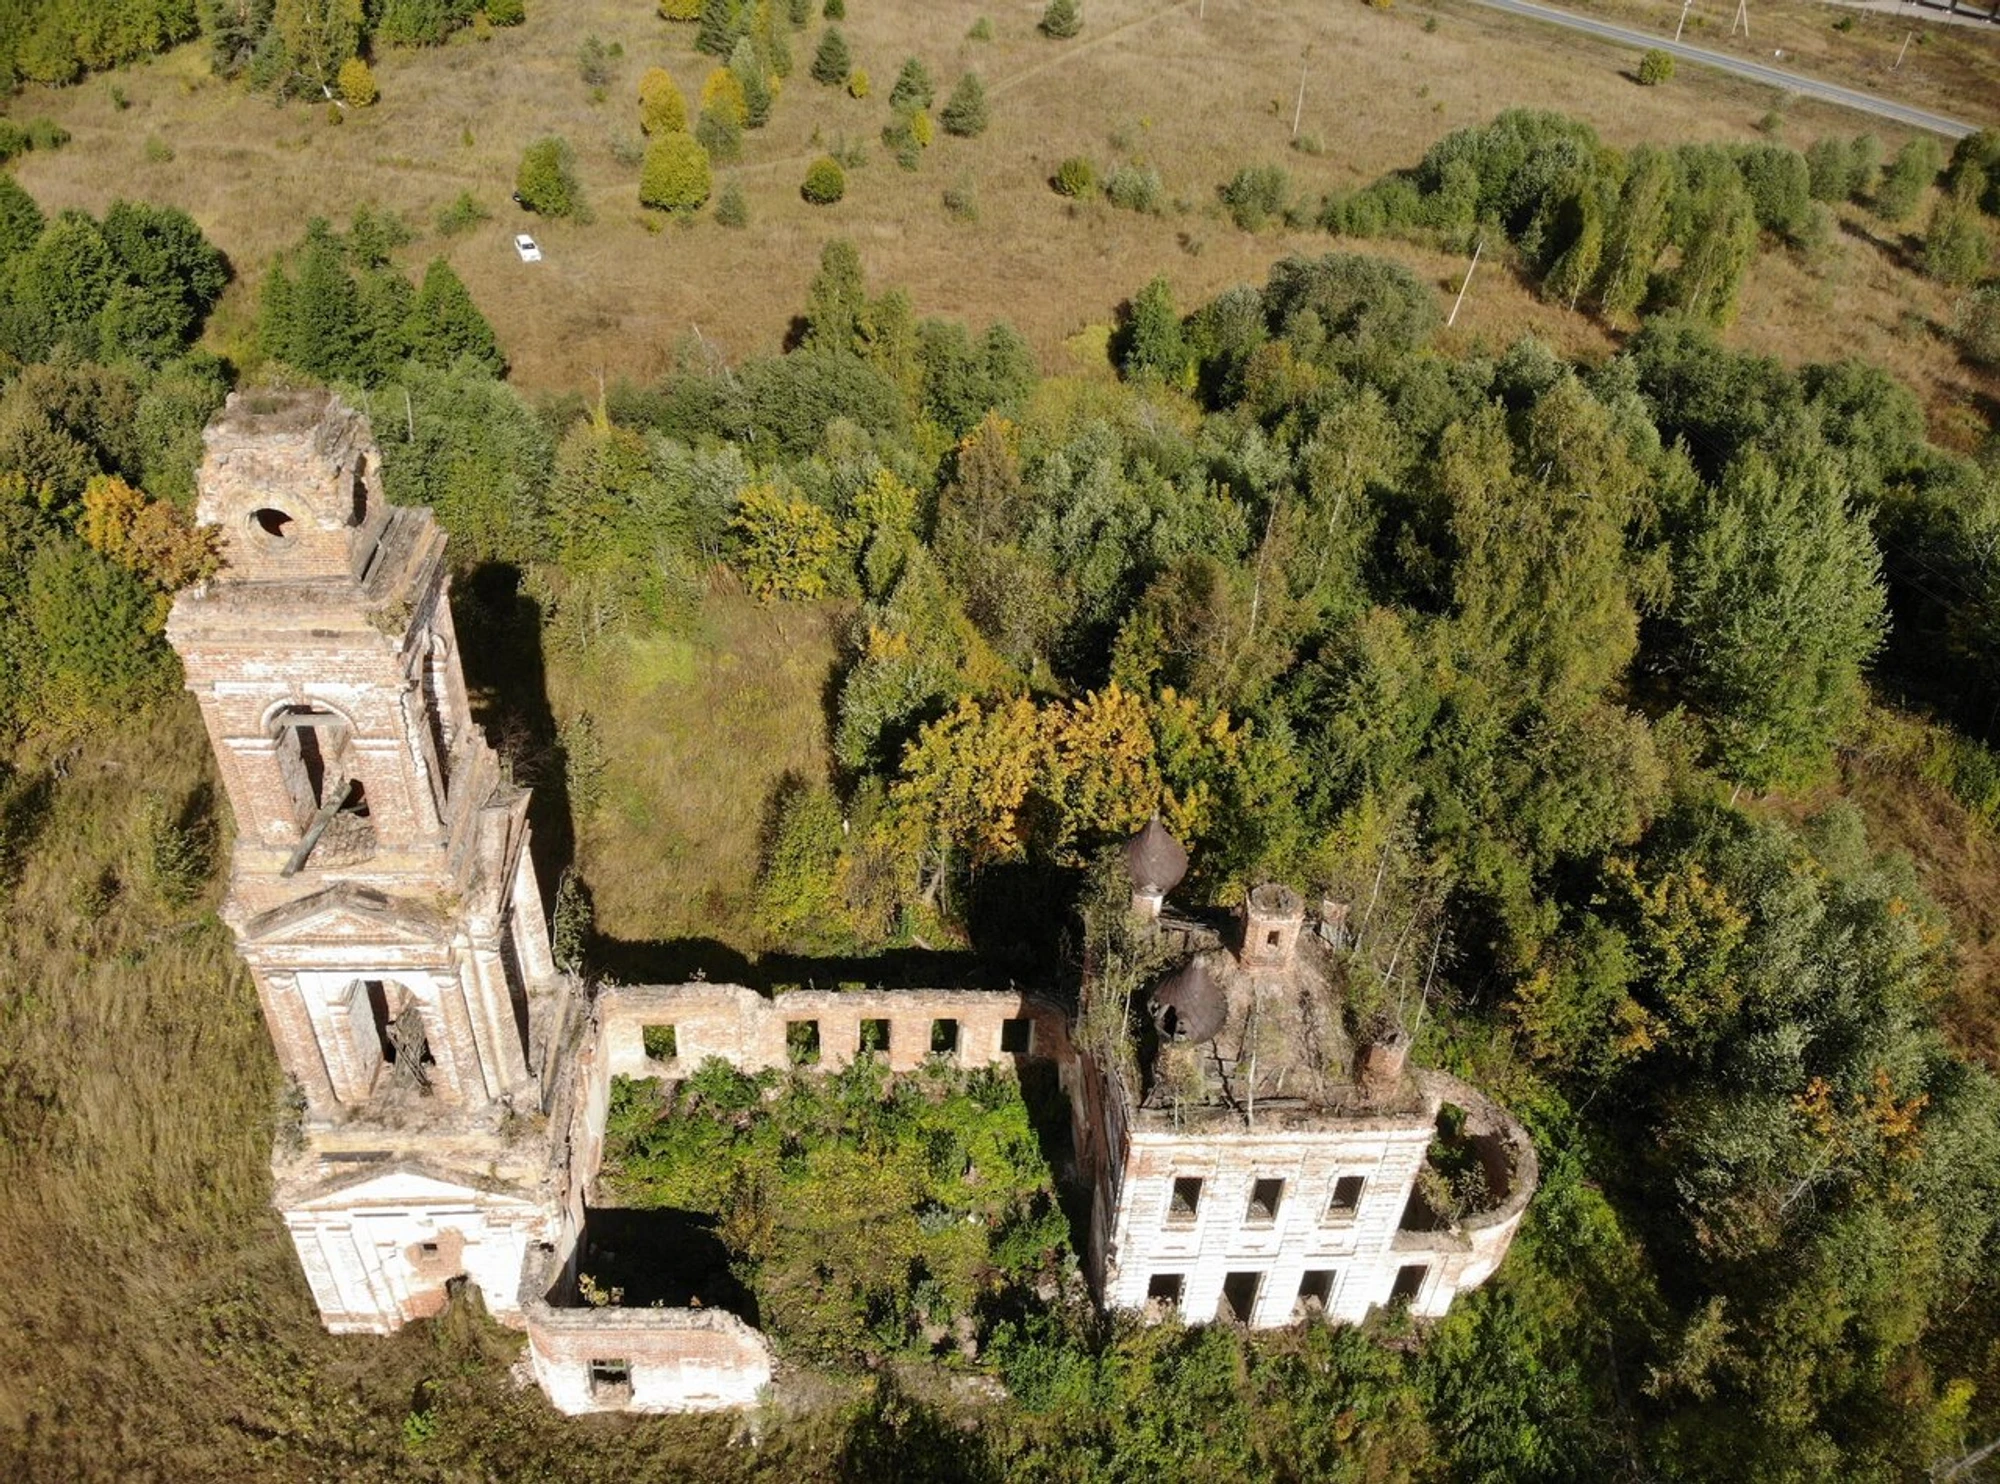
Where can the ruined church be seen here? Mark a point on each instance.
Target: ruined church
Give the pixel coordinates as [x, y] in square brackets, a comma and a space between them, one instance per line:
[1251, 1157]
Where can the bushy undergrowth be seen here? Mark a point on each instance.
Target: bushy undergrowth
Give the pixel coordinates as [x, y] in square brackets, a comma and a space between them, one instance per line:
[867, 1214]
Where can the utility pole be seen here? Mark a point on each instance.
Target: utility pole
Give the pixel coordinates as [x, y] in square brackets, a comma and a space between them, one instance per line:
[1477, 248]
[1743, 17]
[1300, 107]
[1684, 20]
[1905, 47]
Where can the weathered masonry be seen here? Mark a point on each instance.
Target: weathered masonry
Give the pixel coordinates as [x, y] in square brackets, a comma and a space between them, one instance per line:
[453, 1086]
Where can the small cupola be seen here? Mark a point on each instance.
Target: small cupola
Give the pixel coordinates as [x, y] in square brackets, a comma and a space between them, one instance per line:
[1156, 862]
[1188, 1005]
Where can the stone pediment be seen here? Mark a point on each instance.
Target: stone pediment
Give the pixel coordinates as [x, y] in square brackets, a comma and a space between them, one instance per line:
[407, 1183]
[348, 913]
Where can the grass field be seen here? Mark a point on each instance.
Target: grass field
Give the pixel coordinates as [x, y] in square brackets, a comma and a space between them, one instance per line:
[696, 732]
[1197, 97]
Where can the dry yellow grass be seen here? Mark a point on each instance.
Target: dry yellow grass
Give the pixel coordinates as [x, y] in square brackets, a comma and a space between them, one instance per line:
[1197, 97]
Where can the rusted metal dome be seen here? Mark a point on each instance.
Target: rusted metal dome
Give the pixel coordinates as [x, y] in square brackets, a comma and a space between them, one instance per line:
[1155, 859]
[1189, 1005]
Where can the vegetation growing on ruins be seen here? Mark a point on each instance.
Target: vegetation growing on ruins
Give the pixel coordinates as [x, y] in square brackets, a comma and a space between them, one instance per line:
[866, 1215]
[848, 662]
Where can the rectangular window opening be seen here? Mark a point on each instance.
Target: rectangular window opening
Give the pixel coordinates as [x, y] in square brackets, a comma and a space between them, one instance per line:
[874, 1036]
[1265, 1196]
[1346, 1198]
[611, 1380]
[1163, 1292]
[429, 1249]
[1315, 1293]
[660, 1041]
[944, 1037]
[1186, 1202]
[802, 1042]
[1017, 1036]
[1271, 938]
[1239, 1297]
[1409, 1283]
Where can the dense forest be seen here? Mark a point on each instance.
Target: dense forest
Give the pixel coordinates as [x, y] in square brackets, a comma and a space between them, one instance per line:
[1559, 662]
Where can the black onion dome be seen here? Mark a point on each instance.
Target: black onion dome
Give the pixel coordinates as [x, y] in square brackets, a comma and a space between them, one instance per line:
[1188, 1005]
[1155, 859]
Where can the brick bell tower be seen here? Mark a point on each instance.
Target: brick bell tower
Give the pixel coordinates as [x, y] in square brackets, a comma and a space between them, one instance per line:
[381, 889]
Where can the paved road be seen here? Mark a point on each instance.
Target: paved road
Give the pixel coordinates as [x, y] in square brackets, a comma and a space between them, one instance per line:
[1777, 77]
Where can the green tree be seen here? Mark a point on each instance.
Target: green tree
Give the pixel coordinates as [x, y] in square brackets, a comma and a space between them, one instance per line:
[21, 220]
[748, 70]
[1718, 252]
[913, 90]
[318, 36]
[1655, 67]
[1155, 344]
[1637, 231]
[1778, 598]
[546, 181]
[965, 111]
[675, 175]
[723, 23]
[1958, 248]
[1909, 175]
[837, 310]
[95, 635]
[446, 325]
[786, 546]
[831, 63]
[1062, 20]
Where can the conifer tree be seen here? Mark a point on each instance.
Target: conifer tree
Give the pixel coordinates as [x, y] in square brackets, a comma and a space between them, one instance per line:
[752, 85]
[722, 22]
[913, 90]
[445, 324]
[965, 114]
[1062, 20]
[831, 63]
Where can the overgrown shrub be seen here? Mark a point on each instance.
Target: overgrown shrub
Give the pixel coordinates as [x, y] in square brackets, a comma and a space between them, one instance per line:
[1655, 67]
[676, 174]
[594, 58]
[546, 182]
[507, 12]
[1134, 188]
[1075, 177]
[858, 85]
[825, 181]
[357, 83]
[662, 109]
[462, 215]
[731, 210]
[1255, 194]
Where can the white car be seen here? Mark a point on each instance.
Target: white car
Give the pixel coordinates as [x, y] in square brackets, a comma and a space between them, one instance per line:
[525, 246]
